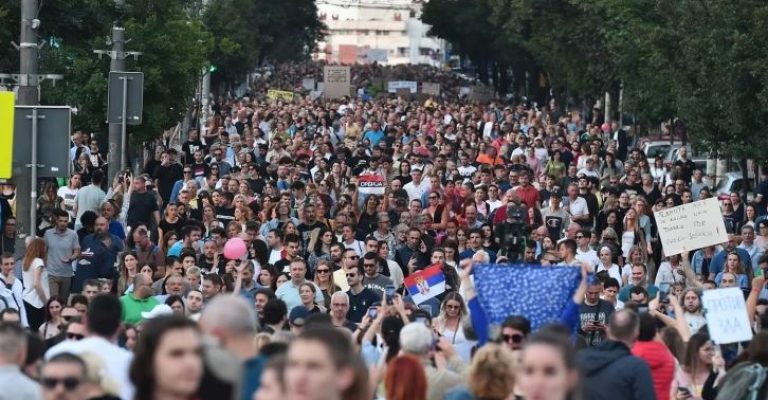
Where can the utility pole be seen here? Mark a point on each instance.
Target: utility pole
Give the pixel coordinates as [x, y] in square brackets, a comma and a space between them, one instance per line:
[28, 48]
[28, 95]
[116, 156]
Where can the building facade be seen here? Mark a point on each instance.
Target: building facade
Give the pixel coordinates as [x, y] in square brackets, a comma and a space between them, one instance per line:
[385, 31]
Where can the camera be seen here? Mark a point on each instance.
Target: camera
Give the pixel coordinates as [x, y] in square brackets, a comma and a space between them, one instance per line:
[512, 233]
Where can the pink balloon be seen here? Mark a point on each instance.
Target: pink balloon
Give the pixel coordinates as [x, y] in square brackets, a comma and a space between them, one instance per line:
[234, 249]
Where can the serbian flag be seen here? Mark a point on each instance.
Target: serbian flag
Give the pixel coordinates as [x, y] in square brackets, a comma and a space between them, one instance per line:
[425, 284]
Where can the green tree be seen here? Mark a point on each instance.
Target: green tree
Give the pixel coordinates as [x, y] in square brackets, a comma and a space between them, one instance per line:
[250, 32]
[174, 48]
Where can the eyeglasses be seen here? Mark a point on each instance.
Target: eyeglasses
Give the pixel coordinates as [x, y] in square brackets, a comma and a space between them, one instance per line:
[351, 275]
[75, 336]
[70, 383]
[516, 338]
[580, 236]
[323, 271]
[452, 307]
[369, 265]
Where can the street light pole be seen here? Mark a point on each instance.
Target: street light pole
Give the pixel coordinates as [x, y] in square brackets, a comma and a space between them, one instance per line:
[116, 155]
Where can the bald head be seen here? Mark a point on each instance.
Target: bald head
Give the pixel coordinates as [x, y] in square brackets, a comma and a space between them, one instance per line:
[624, 326]
[229, 316]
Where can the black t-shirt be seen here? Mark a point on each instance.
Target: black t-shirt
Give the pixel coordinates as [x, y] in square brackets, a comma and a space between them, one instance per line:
[359, 303]
[225, 215]
[167, 176]
[200, 170]
[599, 312]
[305, 232]
[141, 209]
[172, 227]
[189, 147]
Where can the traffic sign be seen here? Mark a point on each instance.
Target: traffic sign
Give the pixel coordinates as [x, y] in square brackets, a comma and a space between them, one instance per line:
[126, 97]
[53, 126]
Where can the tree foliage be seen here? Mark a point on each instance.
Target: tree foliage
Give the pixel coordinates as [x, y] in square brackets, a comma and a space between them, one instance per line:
[700, 61]
[250, 32]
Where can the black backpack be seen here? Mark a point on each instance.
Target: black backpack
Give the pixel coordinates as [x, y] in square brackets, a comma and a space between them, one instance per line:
[745, 381]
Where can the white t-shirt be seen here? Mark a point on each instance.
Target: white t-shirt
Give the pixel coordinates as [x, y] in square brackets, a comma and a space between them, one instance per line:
[68, 196]
[117, 360]
[614, 272]
[589, 257]
[578, 207]
[28, 277]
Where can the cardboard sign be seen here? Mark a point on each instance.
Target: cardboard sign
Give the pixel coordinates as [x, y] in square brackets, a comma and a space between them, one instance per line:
[691, 226]
[430, 88]
[337, 81]
[371, 184]
[393, 86]
[275, 95]
[726, 314]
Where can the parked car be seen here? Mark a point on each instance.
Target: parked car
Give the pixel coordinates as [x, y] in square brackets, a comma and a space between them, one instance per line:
[732, 182]
[654, 148]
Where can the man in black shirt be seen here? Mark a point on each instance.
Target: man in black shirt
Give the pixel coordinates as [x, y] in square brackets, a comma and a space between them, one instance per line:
[166, 175]
[143, 208]
[360, 297]
[192, 144]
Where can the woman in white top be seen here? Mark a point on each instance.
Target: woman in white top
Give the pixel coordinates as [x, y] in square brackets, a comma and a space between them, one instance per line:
[453, 313]
[669, 272]
[606, 264]
[35, 279]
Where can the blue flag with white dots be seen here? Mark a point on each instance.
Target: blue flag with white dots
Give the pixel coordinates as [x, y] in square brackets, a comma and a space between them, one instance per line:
[536, 292]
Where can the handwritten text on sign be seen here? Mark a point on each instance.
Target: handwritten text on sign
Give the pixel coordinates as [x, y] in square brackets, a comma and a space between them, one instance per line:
[691, 226]
[726, 314]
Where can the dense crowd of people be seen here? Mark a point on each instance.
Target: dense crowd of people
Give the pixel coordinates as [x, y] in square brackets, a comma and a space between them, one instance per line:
[126, 291]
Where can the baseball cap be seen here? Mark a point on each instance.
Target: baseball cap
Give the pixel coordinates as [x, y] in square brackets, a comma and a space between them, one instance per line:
[298, 316]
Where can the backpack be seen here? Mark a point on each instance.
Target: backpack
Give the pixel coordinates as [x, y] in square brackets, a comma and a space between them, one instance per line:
[745, 381]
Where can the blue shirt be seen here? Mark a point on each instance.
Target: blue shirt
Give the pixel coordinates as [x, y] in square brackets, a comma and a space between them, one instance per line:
[252, 370]
[718, 261]
[374, 136]
[289, 294]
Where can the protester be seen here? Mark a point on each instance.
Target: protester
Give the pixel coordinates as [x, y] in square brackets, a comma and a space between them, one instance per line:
[168, 361]
[13, 348]
[340, 201]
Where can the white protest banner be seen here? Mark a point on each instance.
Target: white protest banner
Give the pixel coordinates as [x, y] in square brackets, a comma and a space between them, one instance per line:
[371, 184]
[412, 86]
[726, 314]
[308, 84]
[337, 81]
[430, 88]
[691, 226]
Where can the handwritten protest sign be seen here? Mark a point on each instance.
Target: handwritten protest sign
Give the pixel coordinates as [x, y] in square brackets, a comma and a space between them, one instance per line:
[337, 81]
[691, 226]
[726, 315]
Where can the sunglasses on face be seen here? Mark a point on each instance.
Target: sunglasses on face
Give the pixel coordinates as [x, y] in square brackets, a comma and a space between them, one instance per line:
[351, 275]
[323, 271]
[516, 338]
[75, 336]
[70, 383]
